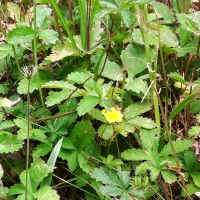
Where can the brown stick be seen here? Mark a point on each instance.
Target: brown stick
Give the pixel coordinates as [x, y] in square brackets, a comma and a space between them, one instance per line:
[54, 116]
[69, 2]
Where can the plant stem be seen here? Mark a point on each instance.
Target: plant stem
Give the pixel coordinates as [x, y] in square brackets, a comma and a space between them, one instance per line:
[142, 21]
[28, 140]
[69, 2]
[17, 61]
[88, 31]
[178, 6]
[35, 54]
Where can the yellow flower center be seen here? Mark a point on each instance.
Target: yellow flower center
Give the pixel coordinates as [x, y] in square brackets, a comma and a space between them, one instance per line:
[113, 116]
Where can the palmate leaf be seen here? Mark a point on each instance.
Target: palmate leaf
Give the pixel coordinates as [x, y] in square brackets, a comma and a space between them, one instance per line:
[9, 143]
[46, 192]
[179, 146]
[169, 176]
[105, 131]
[79, 77]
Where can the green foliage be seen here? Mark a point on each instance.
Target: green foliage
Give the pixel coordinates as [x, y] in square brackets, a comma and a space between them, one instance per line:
[114, 102]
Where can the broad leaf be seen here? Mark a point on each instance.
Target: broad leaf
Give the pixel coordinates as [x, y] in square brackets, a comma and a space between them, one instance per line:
[46, 192]
[9, 143]
[86, 104]
[134, 155]
[179, 146]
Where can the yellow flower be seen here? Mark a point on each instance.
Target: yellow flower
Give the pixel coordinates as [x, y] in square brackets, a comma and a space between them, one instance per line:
[113, 116]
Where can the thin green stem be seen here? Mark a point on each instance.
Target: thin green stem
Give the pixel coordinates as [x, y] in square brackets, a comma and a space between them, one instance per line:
[28, 138]
[142, 21]
[35, 53]
[178, 6]
[64, 22]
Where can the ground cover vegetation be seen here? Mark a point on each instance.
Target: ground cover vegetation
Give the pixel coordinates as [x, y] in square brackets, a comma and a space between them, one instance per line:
[99, 99]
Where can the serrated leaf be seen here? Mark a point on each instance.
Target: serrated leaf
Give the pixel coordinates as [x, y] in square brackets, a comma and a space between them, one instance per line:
[195, 176]
[9, 143]
[60, 51]
[46, 192]
[194, 131]
[136, 109]
[79, 77]
[86, 104]
[56, 97]
[168, 176]
[134, 155]
[59, 85]
[20, 35]
[97, 114]
[5, 50]
[48, 36]
[179, 146]
[105, 131]
[142, 122]
[41, 150]
[23, 84]
[36, 173]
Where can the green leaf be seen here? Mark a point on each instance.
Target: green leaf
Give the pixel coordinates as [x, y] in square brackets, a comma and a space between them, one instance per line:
[136, 109]
[60, 51]
[48, 36]
[190, 22]
[97, 114]
[179, 146]
[79, 77]
[142, 122]
[43, 13]
[163, 10]
[23, 84]
[5, 50]
[46, 192]
[137, 85]
[168, 37]
[134, 59]
[134, 155]
[111, 71]
[194, 131]
[105, 131]
[20, 34]
[168, 176]
[56, 97]
[150, 139]
[9, 143]
[86, 104]
[195, 176]
[36, 173]
[52, 161]
[41, 150]
[59, 85]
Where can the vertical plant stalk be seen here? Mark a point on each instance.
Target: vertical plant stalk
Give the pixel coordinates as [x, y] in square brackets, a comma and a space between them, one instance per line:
[69, 2]
[82, 22]
[142, 21]
[64, 22]
[88, 32]
[28, 138]
[178, 6]
[35, 54]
